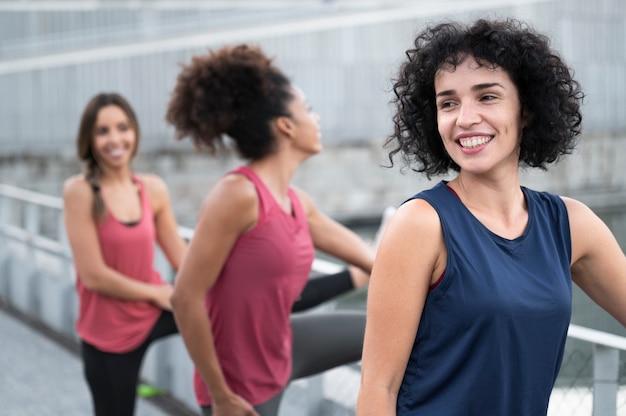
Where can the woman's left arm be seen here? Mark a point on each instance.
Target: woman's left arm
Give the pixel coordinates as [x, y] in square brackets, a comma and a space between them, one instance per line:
[167, 235]
[598, 262]
[335, 239]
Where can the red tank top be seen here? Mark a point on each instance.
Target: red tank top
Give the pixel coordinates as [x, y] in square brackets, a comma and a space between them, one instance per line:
[111, 324]
[250, 304]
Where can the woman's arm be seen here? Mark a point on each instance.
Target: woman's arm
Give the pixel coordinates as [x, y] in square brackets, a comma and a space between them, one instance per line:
[169, 239]
[335, 239]
[229, 210]
[410, 257]
[93, 271]
[598, 262]
[321, 289]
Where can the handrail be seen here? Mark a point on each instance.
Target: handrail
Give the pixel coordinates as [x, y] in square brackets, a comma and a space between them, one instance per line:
[49, 201]
[597, 337]
[319, 265]
[32, 197]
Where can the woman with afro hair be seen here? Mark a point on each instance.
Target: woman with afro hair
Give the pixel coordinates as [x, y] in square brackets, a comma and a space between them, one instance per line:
[255, 239]
[470, 296]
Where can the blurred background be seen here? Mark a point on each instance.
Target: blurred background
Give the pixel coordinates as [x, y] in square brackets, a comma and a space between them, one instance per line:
[55, 55]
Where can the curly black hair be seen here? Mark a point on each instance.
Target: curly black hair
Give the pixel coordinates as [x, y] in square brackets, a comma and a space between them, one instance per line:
[235, 91]
[550, 98]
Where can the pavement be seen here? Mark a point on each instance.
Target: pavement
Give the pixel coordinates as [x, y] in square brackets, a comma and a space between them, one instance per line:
[41, 375]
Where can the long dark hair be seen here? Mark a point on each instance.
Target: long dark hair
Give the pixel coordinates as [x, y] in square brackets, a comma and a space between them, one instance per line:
[85, 141]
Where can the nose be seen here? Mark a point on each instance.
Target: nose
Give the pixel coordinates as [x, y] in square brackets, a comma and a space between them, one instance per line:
[467, 114]
[115, 136]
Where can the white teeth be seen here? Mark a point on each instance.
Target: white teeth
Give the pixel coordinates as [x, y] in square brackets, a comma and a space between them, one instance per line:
[472, 142]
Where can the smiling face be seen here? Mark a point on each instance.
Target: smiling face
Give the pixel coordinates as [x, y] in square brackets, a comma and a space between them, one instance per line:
[114, 138]
[479, 116]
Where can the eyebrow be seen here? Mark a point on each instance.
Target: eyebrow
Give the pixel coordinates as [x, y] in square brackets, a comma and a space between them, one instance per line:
[476, 87]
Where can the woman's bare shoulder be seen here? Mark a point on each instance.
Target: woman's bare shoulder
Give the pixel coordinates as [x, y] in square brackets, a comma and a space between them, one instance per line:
[419, 213]
[237, 187]
[76, 187]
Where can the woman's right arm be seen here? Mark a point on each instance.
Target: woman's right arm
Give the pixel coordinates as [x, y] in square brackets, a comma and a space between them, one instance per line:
[229, 210]
[83, 238]
[410, 257]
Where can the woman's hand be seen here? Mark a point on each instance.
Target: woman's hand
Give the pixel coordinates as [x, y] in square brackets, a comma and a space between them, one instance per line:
[162, 295]
[234, 405]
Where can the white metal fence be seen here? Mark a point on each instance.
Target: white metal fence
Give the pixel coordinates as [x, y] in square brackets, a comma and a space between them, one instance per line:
[37, 279]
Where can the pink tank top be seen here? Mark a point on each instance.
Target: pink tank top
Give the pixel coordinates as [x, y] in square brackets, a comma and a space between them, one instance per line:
[108, 323]
[250, 304]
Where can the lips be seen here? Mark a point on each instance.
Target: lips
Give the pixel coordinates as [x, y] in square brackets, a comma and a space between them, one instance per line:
[475, 141]
[116, 152]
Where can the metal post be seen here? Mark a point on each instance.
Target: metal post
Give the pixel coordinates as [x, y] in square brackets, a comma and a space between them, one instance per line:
[5, 267]
[4, 210]
[61, 233]
[31, 222]
[605, 375]
[315, 395]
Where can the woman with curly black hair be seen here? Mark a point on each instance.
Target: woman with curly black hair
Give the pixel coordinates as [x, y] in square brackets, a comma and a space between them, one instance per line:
[255, 240]
[470, 297]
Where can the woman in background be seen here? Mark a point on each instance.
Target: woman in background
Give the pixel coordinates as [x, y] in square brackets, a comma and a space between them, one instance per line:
[255, 239]
[113, 218]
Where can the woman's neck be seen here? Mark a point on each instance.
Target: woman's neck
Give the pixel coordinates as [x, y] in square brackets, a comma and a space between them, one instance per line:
[276, 171]
[503, 195]
[499, 205]
[116, 176]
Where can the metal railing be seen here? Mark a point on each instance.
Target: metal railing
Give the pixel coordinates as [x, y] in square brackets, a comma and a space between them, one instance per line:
[37, 278]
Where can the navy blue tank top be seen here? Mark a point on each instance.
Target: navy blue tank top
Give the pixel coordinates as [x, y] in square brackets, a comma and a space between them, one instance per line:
[492, 332]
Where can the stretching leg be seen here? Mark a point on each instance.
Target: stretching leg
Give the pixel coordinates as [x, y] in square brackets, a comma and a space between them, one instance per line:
[322, 341]
[321, 289]
[112, 377]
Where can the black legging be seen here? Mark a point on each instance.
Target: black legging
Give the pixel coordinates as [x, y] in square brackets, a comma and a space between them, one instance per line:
[321, 341]
[321, 289]
[112, 378]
